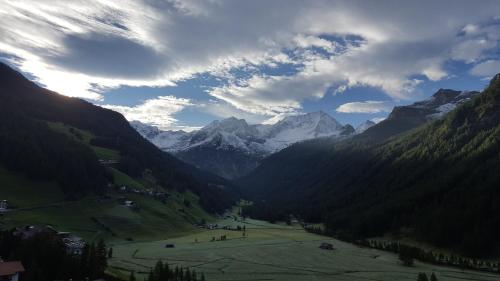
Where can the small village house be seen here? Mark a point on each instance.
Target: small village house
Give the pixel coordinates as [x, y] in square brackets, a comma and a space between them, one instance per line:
[129, 203]
[10, 271]
[3, 205]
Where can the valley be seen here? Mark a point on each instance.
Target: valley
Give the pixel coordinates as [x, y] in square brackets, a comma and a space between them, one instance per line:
[274, 252]
[223, 140]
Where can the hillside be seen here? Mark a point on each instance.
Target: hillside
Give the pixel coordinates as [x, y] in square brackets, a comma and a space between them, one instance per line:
[435, 183]
[309, 161]
[50, 137]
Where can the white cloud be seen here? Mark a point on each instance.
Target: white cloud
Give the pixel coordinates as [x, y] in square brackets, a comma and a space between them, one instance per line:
[486, 69]
[158, 112]
[82, 48]
[364, 107]
[472, 50]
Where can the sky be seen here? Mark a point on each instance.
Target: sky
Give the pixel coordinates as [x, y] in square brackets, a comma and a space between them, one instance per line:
[179, 65]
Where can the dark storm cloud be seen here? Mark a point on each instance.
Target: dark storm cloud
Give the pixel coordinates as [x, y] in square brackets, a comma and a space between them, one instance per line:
[109, 56]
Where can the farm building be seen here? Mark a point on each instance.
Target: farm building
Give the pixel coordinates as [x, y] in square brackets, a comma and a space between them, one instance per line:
[326, 246]
[9, 271]
[3, 205]
[129, 203]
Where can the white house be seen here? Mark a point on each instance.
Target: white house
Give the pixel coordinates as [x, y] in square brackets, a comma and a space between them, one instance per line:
[9, 271]
[3, 205]
[129, 203]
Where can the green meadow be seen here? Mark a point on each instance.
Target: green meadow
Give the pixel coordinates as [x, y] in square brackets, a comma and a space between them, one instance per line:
[273, 252]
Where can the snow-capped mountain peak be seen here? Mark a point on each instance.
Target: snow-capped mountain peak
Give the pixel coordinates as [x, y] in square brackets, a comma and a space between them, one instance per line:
[238, 134]
[222, 142]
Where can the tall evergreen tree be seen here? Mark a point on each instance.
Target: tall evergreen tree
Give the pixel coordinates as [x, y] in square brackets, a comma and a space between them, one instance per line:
[422, 277]
[110, 253]
[132, 276]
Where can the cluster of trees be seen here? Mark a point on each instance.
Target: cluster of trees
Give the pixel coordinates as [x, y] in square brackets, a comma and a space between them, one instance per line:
[31, 147]
[435, 181]
[162, 272]
[45, 258]
[423, 277]
[407, 254]
[94, 259]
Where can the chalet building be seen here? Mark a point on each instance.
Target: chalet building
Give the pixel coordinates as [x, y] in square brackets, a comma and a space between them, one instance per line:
[129, 203]
[3, 205]
[10, 271]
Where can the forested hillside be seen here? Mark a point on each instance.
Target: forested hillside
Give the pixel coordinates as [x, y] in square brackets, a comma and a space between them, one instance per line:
[30, 145]
[438, 182]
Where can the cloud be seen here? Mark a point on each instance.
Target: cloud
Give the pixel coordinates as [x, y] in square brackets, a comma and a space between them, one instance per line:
[486, 69]
[472, 50]
[223, 109]
[364, 107]
[158, 112]
[84, 48]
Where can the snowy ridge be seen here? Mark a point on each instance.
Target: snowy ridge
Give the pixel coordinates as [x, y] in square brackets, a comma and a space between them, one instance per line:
[237, 134]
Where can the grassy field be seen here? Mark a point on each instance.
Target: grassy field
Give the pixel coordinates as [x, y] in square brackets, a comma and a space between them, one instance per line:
[121, 179]
[94, 217]
[274, 252]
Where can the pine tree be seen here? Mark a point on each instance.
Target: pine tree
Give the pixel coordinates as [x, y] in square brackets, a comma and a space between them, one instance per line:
[84, 260]
[422, 277]
[202, 277]
[132, 276]
[101, 254]
[187, 275]
[110, 253]
[433, 277]
[93, 267]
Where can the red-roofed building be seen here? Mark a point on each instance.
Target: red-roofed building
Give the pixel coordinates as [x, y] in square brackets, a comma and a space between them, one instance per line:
[9, 271]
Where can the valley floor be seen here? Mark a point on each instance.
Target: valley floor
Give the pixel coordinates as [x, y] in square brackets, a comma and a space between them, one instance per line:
[274, 252]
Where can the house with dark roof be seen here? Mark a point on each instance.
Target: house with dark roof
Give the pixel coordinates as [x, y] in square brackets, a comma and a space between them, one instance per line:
[10, 271]
[3, 205]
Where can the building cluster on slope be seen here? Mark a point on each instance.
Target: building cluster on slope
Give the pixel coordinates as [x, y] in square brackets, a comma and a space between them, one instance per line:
[73, 244]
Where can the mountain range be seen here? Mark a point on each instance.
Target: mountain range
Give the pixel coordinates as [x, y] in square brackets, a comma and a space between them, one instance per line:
[231, 147]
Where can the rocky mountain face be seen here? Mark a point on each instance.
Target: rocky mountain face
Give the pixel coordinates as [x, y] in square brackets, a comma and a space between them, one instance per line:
[231, 147]
[404, 118]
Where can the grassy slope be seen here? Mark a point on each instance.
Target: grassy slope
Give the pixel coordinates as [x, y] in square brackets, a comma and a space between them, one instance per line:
[85, 137]
[153, 220]
[43, 203]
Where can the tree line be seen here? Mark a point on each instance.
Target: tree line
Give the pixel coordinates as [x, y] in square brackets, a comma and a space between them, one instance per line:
[163, 272]
[45, 257]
